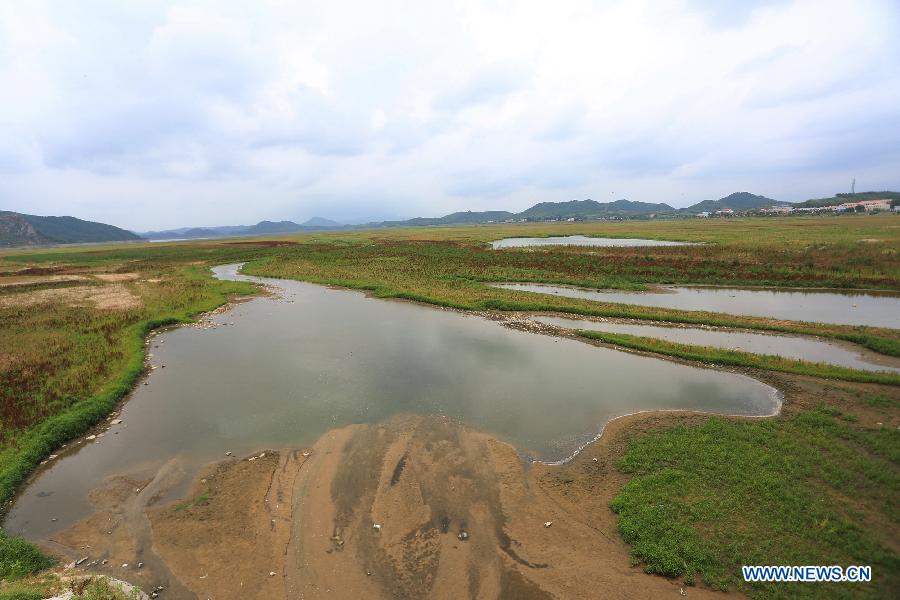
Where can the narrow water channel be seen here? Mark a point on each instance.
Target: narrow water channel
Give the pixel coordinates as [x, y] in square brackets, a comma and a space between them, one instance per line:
[876, 309]
[801, 348]
[281, 371]
[583, 240]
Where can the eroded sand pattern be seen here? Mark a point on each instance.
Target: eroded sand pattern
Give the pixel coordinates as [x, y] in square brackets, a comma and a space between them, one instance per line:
[458, 515]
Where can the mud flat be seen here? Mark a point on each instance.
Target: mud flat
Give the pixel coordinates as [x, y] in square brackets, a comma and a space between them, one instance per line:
[459, 514]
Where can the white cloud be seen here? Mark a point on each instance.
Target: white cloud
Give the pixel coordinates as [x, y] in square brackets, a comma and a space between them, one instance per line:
[163, 114]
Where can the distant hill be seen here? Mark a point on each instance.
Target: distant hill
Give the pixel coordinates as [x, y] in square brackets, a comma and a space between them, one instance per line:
[457, 218]
[586, 209]
[736, 201]
[17, 229]
[321, 222]
[261, 228]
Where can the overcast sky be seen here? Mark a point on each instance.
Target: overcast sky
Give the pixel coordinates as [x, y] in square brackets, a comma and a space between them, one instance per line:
[153, 115]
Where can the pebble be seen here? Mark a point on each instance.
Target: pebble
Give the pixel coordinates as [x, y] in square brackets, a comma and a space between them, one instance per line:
[548, 523]
[228, 453]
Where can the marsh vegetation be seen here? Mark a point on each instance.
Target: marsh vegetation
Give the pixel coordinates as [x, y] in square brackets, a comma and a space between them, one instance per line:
[68, 357]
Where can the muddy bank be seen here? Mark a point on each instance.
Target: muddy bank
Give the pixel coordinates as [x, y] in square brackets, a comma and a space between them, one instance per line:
[459, 515]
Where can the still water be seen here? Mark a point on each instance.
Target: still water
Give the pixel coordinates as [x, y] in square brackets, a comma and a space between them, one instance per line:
[282, 371]
[851, 308]
[812, 350]
[583, 240]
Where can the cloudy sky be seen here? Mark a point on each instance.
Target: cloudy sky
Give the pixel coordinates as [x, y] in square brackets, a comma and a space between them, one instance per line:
[152, 115]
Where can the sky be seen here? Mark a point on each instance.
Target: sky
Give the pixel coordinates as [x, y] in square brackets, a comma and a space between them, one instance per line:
[153, 115]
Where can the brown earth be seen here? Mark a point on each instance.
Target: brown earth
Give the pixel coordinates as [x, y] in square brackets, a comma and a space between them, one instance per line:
[114, 296]
[301, 524]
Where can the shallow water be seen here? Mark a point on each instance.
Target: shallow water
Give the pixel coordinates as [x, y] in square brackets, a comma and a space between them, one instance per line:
[851, 308]
[812, 350]
[282, 371]
[582, 240]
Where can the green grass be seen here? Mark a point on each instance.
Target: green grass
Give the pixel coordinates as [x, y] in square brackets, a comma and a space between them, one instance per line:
[85, 588]
[201, 500]
[19, 559]
[706, 499]
[735, 358]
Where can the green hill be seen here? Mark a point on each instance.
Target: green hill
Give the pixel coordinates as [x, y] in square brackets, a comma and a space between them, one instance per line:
[592, 209]
[736, 201]
[17, 229]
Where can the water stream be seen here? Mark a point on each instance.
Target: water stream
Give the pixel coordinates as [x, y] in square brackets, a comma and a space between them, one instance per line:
[280, 371]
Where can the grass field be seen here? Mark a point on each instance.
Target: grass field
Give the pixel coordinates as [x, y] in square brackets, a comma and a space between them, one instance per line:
[705, 500]
[67, 359]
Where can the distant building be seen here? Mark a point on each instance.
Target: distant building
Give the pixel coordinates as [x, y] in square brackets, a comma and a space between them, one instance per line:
[725, 212]
[777, 210]
[869, 205]
[703, 214]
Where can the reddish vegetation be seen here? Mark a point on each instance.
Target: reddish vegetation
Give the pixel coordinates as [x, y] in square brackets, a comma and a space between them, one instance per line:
[264, 243]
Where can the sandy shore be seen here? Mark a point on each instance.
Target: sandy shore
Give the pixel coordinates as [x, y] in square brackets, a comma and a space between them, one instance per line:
[459, 515]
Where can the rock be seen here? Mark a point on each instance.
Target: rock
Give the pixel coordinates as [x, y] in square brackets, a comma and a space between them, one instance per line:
[228, 453]
[463, 535]
[595, 459]
[80, 560]
[683, 593]
[124, 565]
[91, 437]
[376, 526]
[140, 565]
[271, 573]
[548, 523]
[115, 421]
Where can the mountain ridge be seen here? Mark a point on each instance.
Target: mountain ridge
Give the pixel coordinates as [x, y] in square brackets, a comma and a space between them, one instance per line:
[19, 229]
